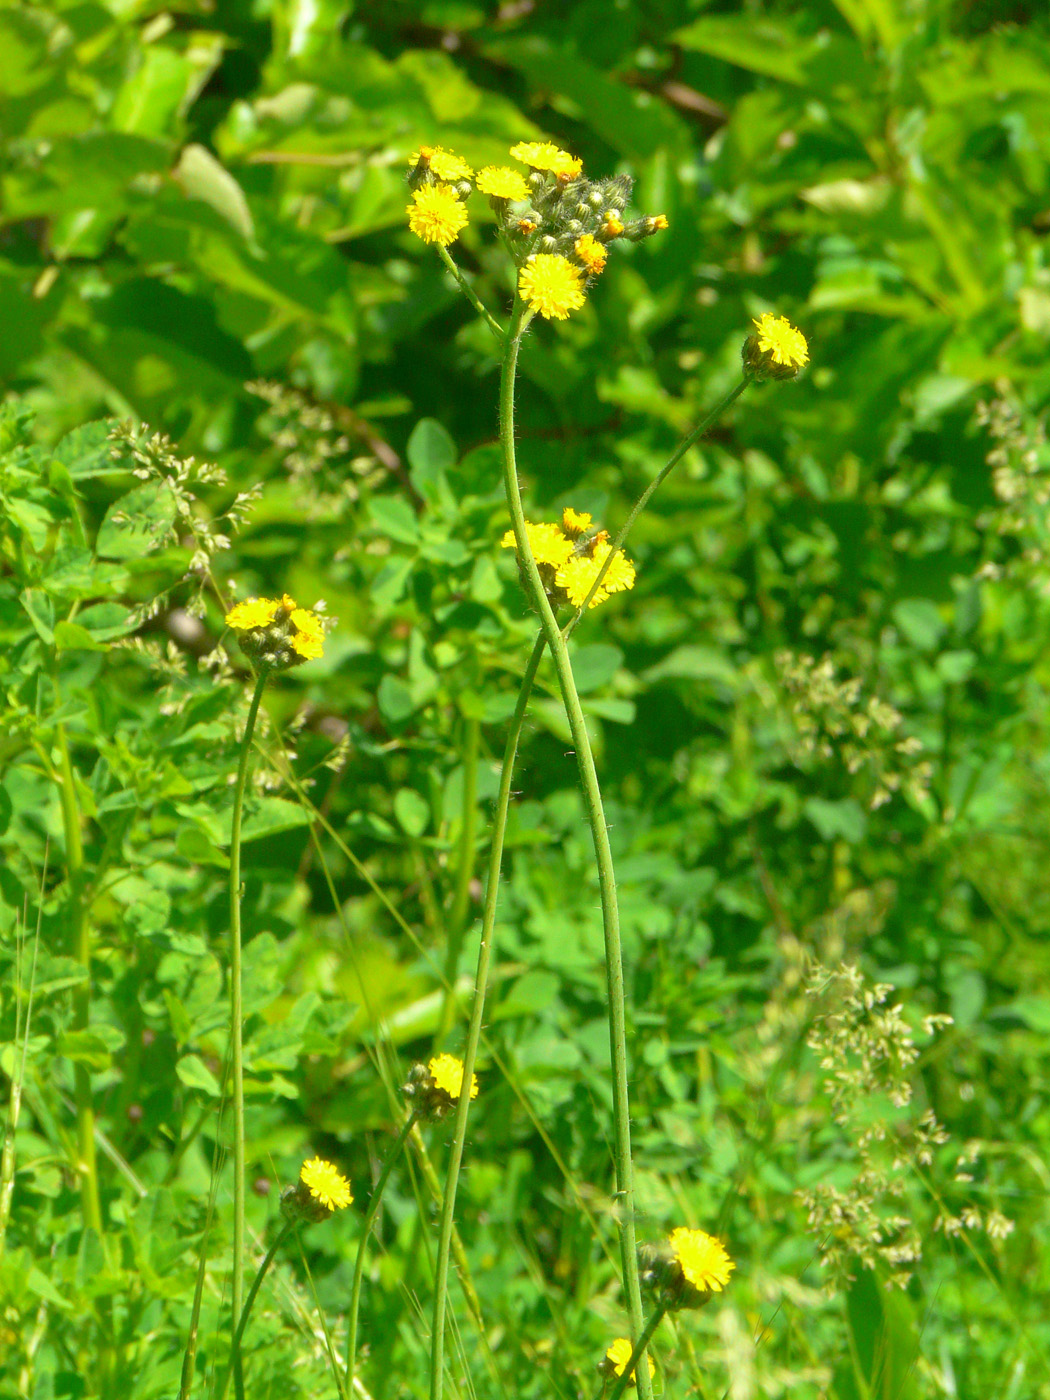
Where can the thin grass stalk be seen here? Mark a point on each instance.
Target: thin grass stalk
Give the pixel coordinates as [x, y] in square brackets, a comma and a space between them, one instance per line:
[362, 1248]
[616, 1390]
[654, 485]
[459, 914]
[14, 1108]
[470, 1053]
[87, 1165]
[286, 1229]
[624, 1167]
[236, 1015]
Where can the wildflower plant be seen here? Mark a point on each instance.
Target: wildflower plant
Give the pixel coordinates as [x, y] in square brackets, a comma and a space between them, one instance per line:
[558, 225]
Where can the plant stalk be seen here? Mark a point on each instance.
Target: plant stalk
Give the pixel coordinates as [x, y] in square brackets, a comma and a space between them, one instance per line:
[470, 1053]
[459, 914]
[636, 1353]
[362, 1248]
[657, 481]
[624, 1167]
[87, 1164]
[236, 1015]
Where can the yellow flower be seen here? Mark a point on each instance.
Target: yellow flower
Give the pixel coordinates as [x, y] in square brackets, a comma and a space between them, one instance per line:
[574, 522]
[658, 221]
[577, 574]
[545, 155]
[308, 637]
[613, 225]
[781, 342]
[326, 1184]
[548, 544]
[591, 253]
[447, 1074]
[255, 612]
[502, 183]
[702, 1259]
[436, 214]
[618, 1356]
[446, 165]
[551, 285]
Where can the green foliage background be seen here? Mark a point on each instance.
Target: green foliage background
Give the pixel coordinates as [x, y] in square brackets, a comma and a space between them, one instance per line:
[203, 230]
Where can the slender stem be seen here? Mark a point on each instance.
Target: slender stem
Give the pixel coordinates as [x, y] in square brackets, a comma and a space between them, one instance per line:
[636, 1352]
[264, 1268]
[458, 918]
[87, 1165]
[470, 294]
[7, 1153]
[657, 481]
[599, 835]
[362, 1248]
[236, 1042]
[470, 1054]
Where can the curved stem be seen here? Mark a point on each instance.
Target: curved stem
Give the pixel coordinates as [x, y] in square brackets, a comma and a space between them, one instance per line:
[362, 1248]
[236, 1013]
[470, 294]
[470, 1054]
[235, 1353]
[657, 481]
[599, 835]
[87, 1165]
[459, 915]
[637, 1350]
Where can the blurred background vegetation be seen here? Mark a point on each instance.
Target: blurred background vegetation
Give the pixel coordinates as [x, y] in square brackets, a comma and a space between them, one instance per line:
[822, 713]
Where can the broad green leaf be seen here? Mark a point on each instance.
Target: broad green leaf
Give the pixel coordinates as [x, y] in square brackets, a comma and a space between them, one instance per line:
[138, 523]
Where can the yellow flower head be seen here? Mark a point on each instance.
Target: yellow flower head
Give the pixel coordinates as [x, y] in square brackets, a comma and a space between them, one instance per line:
[326, 1184]
[447, 1074]
[545, 155]
[527, 226]
[612, 227]
[548, 544]
[704, 1263]
[551, 285]
[658, 221]
[437, 214]
[446, 165]
[574, 522]
[502, 183]
[308, 637]
[618, 1356]
[255, 612]
[577, 574]
[276, 633]
[779, 338]
[591, 253]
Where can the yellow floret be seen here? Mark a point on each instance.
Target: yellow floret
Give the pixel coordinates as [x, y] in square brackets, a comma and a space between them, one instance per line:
[502, 183]
[447, 1074]
[437, 214]
[551, 285]
[545, 155]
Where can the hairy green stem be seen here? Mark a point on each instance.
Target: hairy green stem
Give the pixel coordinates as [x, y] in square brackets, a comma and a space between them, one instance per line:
[470, 1053]
[470, 294]
[654, 485]
[286, 1229]
[236, 1013]
[636, 1352]
[362, 1248]
[624, 1166]
[459, 914]
[7, 1153]
[87, 1165]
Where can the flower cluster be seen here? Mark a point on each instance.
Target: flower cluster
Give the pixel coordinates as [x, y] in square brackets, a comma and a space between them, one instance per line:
[557, 223]
[570, 556]
[615, 1360]
[686, 1270]
[276, 633]
[437, 1086]
[320, 1191]
[777, 350]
